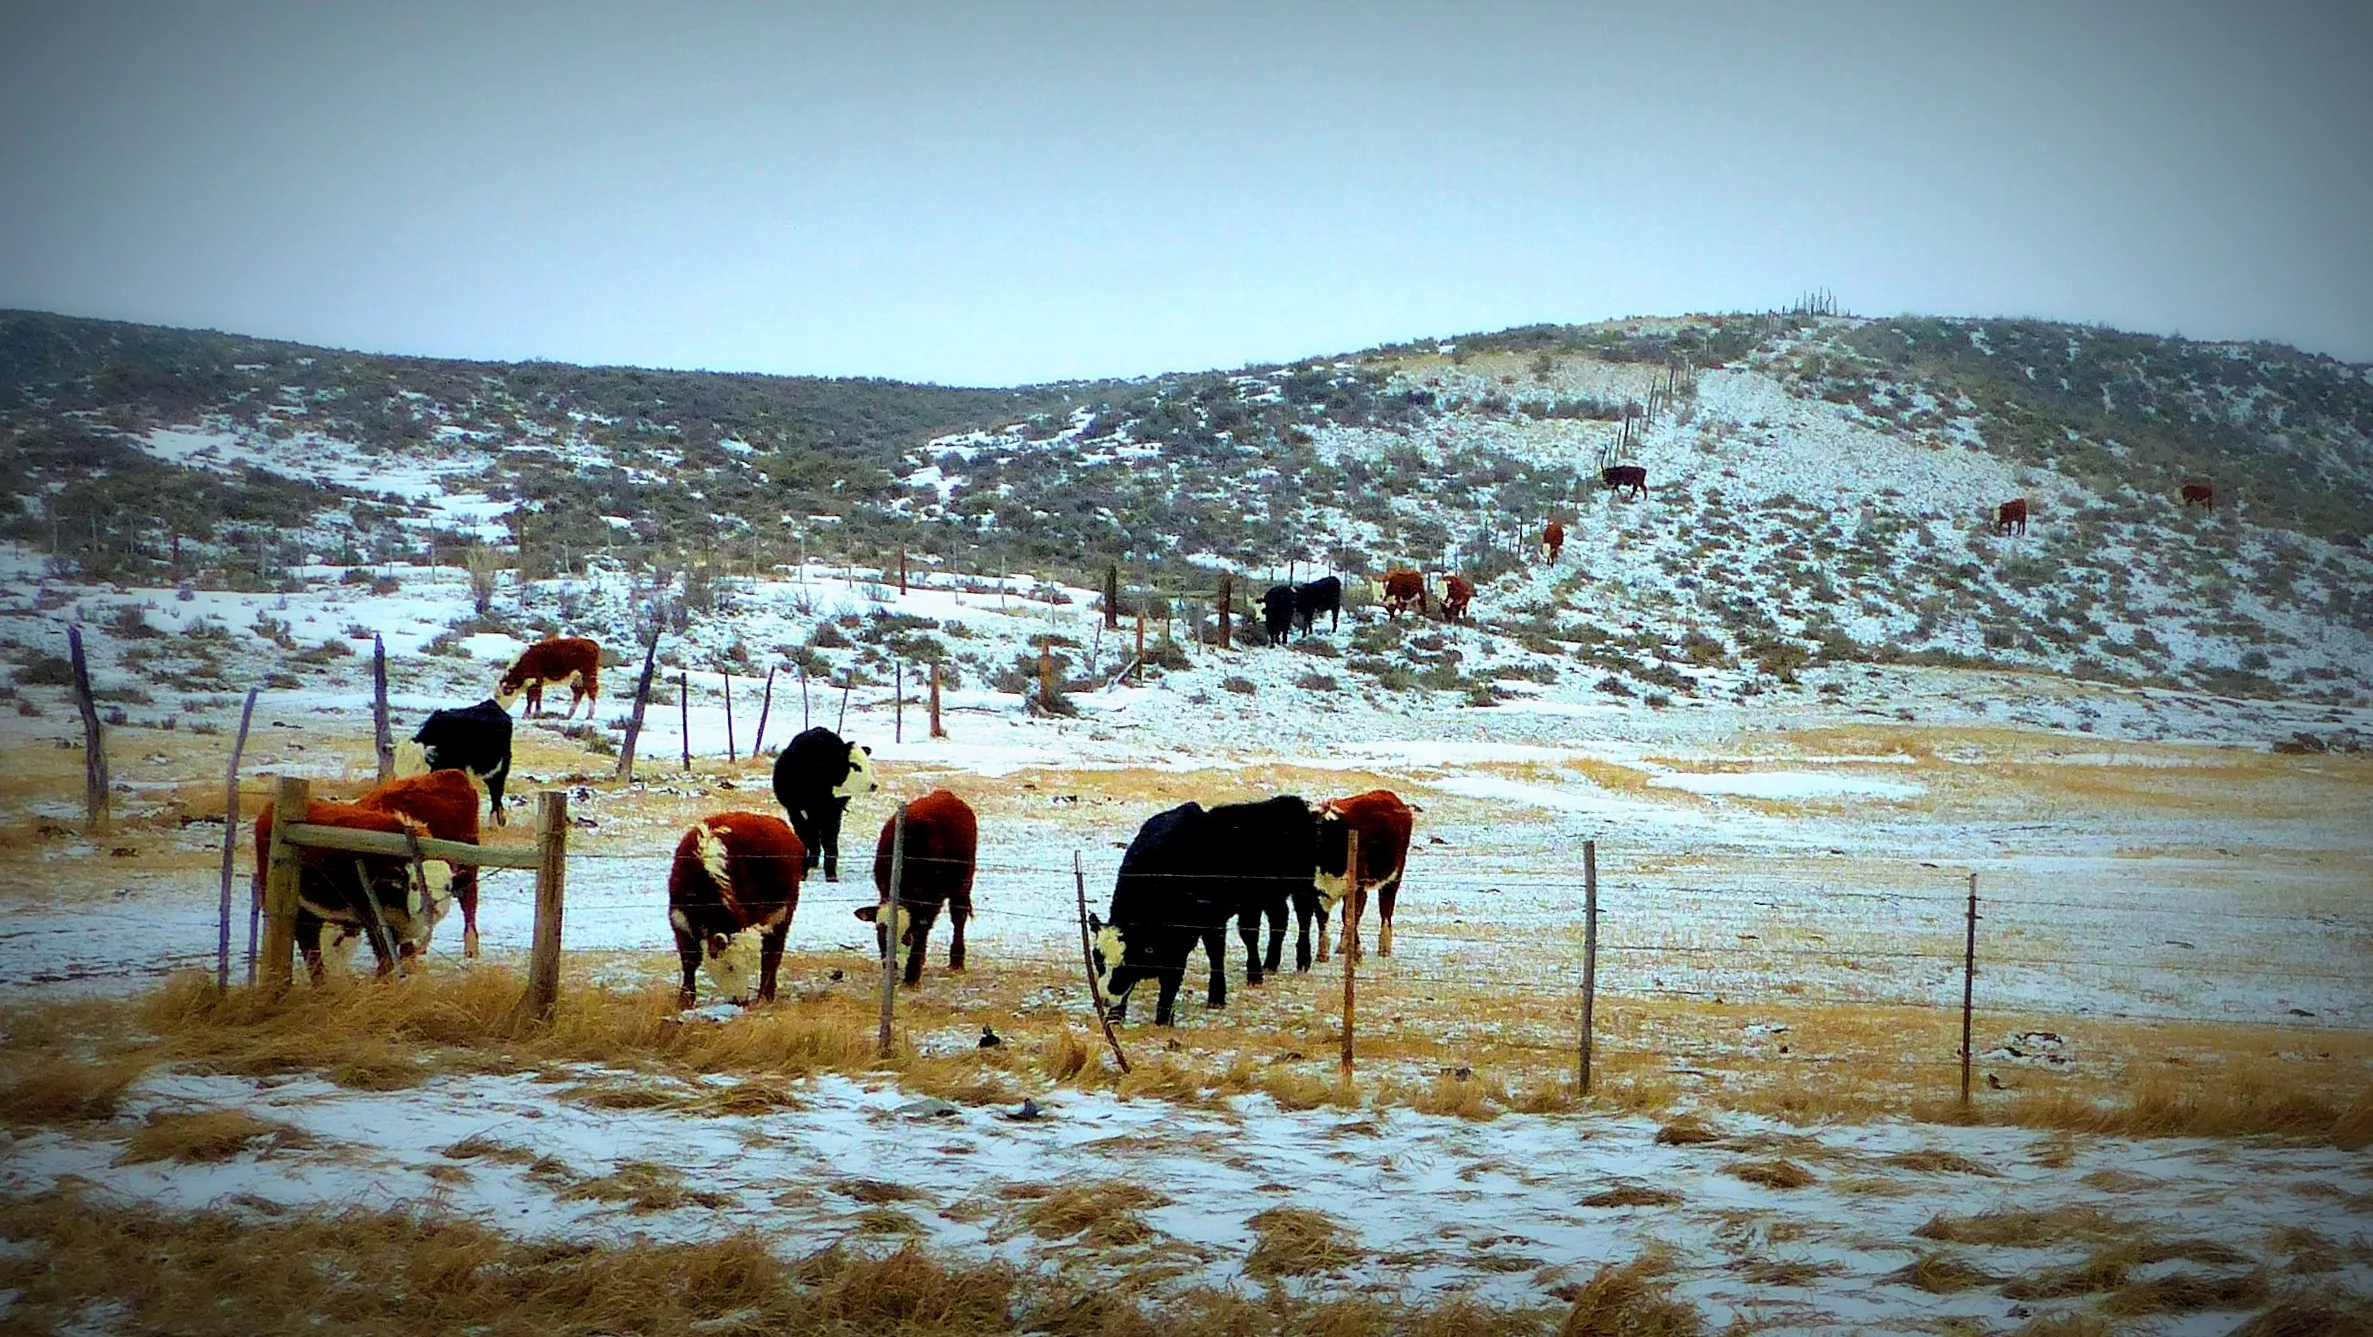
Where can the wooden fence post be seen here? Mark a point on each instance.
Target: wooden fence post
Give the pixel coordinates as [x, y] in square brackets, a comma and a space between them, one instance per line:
[1227, 607]
[1968, 986]
[886, 922]
[936, 731]
[1046, 676]
[1351, 937]
[1112, 597]
[728, 715]
[803, 721]
[1087, 952]
[765, 704]
[1140, 665]
[230, 844]
[634, 719]
[1589, 958]
[898, 703]
[684, 713]
[380, 734]
[902, 570]
[281, 869]
[552, 864]
[94, 740]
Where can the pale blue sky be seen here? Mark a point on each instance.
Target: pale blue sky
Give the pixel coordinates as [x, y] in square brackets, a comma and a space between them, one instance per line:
[1003, 193]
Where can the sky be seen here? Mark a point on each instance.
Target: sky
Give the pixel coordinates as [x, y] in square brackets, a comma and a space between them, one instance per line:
[1003, 193]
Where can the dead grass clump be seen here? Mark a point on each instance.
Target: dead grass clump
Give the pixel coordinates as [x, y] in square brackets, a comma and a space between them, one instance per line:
[874, 1192]
[1630, 1301]
[478, 1146]
[643, 1186]
[206, 1137]
[2025, 1229]
[1771, 1174]
[1064, 1055]
[908, 1291]
[1296, 1242]
[2185, 1292]
[2309, 1250]
[1632, 1195]
[2104, 1271]
[1930, 1160]
[1940, 1273]
[620, 1095]
[1474, 1098]
[1294, 1089]
[1782, 1271]
[2245, 1103]
[2311, 1316]
[743, 1099]
[62, 1090]
[2116, 1181]
[1105, 1214]
[2064, 1325]
[1687, 1131]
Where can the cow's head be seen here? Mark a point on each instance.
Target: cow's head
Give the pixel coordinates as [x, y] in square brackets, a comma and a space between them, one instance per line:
[860, 778]
[412, 758]
[1334, 852]
[427, 893]
[730, 960]
[508, 686]
[903, 919]
[1105, 950]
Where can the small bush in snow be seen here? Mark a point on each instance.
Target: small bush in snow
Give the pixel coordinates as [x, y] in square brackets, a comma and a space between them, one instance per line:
[1614, 686]
[1318, 682]
[47, 671]
[827, 636]
[1240, 685]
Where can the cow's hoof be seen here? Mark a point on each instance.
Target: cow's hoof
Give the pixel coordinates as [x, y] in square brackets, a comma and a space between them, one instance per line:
[469, 943]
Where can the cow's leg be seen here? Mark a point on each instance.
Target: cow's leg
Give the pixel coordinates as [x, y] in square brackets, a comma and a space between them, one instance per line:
[959, 910]
[1305, 907]
[1276, 915]
[1166, 998]
[1248, 927]
[920, 919]
[770, 958]
[828, 832]
[465, 895]
[1215, 946]
[309, 944]
[1386, 891]
[495, 779]
[1323, 913]
[687, 952]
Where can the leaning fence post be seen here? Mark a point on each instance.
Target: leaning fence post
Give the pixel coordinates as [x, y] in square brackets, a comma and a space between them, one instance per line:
[886, 920]
[684, 713]
[1351, 937]
[936, 731]
[1140, 664]
[1227, 608]
[803, 721]
[1968, 986]
[1589, 957]
[898, 703]
[1087, 953]
[765, 704]
[94, 742]
[634, 719]
[380, 736]
[281, 870]
[552, 864]
[728, 715]
[230, 844]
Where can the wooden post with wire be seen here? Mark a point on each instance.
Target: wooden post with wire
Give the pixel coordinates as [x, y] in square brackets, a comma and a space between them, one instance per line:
[380, 734]
[886, 922]
[94, 740]
[1087, 952]
[289, 801]
[728, 678]
[1589, 961]
[1112, 597]
[902, 571]
[898, 703]
[1227, 608]
[765, 704]
[543, 957]
[684, 713]
[230, 844]
[936, 731]
[1351, 939]
[634, 718]
[803, 716]
[1140, 665]
[1968, 986]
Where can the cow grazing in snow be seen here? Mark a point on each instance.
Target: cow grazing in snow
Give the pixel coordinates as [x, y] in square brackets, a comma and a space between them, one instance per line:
[2011, 516]
[1189, 871]
[815, 778]
[2202, 495]
[942, 838]
[1457, 593]
[1617, 477]
[562, 661]
[1277, 612]
[446, 806]
[1403, 590]
[1384, 823]
[734, 873]
[1553, 541]
[476, 739]
[1323, 595]
[338, 887]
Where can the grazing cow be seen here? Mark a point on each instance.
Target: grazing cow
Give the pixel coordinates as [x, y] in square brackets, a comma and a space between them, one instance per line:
[337, 887]
[446, 806]
[2202, 495]
[1277, 612]
[1384, 823]
[1189, 871]
[1553, 541]
[2011, 516]
[475, 738]
[1324, 595]
[942, 836]
[1457, 593]
[733, 873]
[815, 778]
[1617, 477]
[562, 661]
[1403, 590]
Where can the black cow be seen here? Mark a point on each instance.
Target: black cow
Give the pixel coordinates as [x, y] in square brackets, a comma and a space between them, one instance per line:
[1189, 871]
[1324, 595]
[475, 738]
[815, 778]
[1277, 612]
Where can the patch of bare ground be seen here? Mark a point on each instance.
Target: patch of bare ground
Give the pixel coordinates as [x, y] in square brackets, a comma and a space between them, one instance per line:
[1297, 1242]
[204, 1137]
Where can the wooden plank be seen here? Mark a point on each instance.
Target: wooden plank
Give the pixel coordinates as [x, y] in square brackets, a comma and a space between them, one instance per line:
[230, 842]
[94, 740]
[281, 871]
[388, 842]
[551, 865]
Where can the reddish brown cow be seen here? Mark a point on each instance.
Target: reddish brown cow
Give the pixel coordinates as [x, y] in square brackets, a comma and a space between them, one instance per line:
[2202, 495]
[2011, 516]
[1384, 823]
[334, 886]
[564, 661]
[1403, 590]
[1457, 593]
[1617, 477]
[1553, 541]
[942, 836]
[733, 872]
[445, 803]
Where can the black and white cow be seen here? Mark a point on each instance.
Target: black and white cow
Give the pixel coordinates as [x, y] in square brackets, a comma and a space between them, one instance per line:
[1189, 871]
[476, 739]
[815, 778]
[1324, 595]
[1277, 612]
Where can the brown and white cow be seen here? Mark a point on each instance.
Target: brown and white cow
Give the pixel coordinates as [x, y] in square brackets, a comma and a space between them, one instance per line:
[445, 804]
[1384, 823]
[1457, 593]
[1617, 477]
[338, 887]
[1403, 590]
[2011, 516]
[1553, 541]
[573, 662]
[2202, 495]
[942, 838]
[734, 873]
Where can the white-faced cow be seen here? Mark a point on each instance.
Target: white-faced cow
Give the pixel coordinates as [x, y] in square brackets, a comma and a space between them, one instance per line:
[561, 661]
[1189, 871]
[476, 739]
[935, 869]
[815, 778]
[734, 874]
[1384, 823]
[350, 890]
[446, 807]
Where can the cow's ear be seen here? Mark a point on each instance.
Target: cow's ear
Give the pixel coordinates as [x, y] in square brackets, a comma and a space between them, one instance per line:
[865, 912]
[868, 751]
[1095, 925]
[717, 944]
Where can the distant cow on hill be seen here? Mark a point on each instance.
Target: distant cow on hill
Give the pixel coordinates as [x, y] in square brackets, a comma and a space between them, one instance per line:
[337, 887]
[733, 872]
[1311, 598]
[562, 661]
[814, 780]
[1277, 612]
[1457, 593]
[942, 838]
[476, 739]
[1553, 541]
[446, 806]
[2011, 516]
[2202, 495]
[1384, 823]
[1617, 477]
[1403, 590]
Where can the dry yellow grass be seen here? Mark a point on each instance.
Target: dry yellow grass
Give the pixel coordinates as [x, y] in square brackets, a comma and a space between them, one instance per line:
[43, 1089]
[1101, 1215]
[2027, 1229]
[1941, 1273]
[1771, 1174]
[200, 1137]
[1632, 1195]
[1297, 1242]
[1630, 1300]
